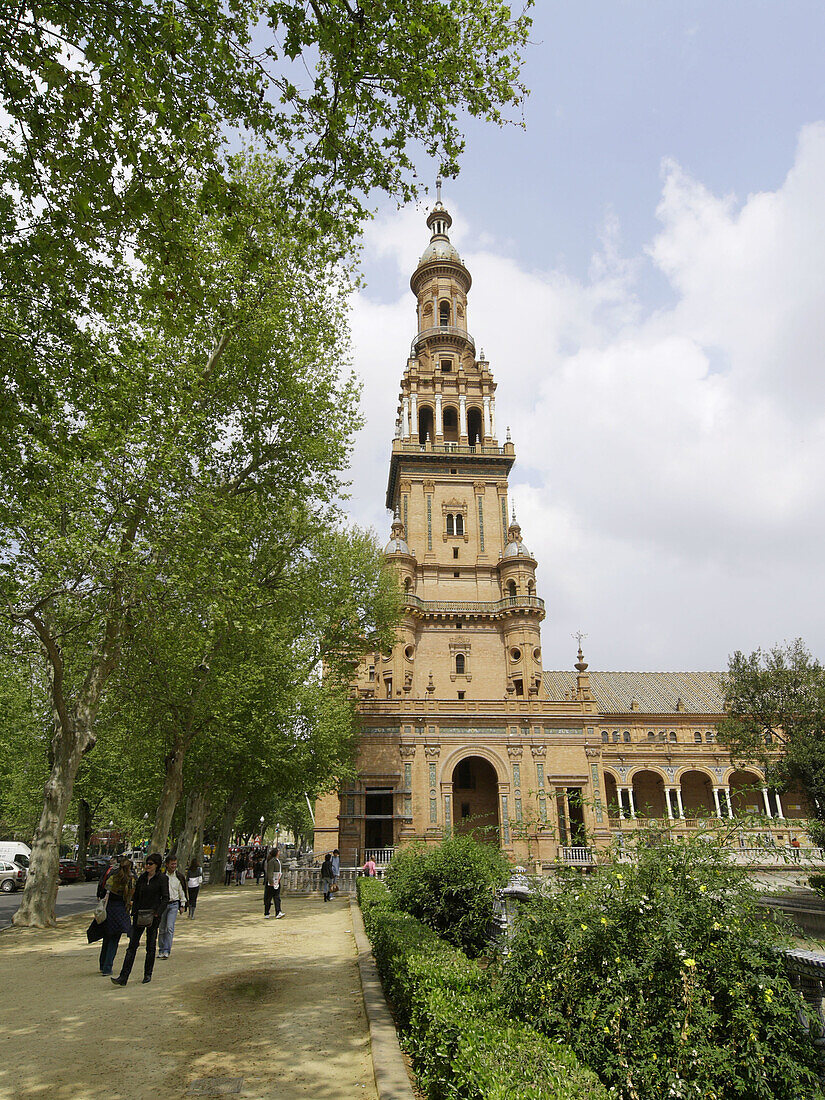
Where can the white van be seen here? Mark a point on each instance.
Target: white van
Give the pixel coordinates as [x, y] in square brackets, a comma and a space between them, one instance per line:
[16, 852]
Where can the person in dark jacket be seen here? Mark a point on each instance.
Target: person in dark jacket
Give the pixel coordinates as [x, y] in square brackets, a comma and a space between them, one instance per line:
[117, 888]
[326, 876]
[151, 897]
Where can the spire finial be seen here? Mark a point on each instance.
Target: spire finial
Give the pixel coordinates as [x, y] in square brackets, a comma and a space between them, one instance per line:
[581, 664]
[514, 513]
[438, 189]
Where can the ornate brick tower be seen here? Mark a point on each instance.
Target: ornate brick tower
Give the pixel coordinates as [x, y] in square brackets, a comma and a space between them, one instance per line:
[448, 733]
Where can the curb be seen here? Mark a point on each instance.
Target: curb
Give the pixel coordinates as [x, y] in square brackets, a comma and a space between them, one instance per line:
[391, 1078]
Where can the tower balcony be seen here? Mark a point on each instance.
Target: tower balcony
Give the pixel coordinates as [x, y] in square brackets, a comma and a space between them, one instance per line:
[450, 334]
[408, 446]
[495, 609]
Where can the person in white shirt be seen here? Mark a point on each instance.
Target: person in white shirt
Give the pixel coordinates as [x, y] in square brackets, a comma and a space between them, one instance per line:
[194, 878]
[272, 885]
[178, 898]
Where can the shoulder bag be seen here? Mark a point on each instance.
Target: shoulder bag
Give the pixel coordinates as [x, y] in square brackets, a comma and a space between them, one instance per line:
[145, 917]
[100, 910]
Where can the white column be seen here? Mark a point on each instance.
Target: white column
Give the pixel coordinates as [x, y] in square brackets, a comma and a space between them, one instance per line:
[405, 418]
[679, 802]
[668, 802]
[414, 415]
[493, 417]
[727, 799]
[439, 426]
[462, 413]
[620, 792]
[779, 812]
[487, 432]
[632, 802]
[767, 802]
[717, 802]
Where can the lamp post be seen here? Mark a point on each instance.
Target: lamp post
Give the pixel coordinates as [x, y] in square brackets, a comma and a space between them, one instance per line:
[262, 829]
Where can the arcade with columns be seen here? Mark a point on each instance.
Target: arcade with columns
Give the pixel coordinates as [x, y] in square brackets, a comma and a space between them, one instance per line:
[461, 728]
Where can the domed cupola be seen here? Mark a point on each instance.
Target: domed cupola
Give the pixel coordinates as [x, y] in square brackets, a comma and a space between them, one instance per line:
[397, 543]
[515, 548]
[440, 251]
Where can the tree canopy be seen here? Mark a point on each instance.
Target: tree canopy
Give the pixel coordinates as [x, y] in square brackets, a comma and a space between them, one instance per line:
[775, 716]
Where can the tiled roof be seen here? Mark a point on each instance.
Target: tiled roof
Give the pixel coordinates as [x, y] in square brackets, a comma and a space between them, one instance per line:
[655, 692]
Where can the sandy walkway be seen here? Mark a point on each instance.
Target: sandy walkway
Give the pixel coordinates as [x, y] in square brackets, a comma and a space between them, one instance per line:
[277, 1003]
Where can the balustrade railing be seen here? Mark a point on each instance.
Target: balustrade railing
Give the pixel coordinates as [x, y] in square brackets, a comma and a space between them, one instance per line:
[576, 855]
[491, 607]
[442, 330]
[450, 448]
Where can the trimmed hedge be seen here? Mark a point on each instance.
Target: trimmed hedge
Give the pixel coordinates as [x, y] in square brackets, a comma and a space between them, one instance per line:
[447, 1011]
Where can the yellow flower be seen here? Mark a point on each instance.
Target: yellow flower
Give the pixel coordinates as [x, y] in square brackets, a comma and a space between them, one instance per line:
[584, 928]
[702, 889]
[716, 926]
[539, 951]
[690, 963]
[607, 1031]
[604, 920]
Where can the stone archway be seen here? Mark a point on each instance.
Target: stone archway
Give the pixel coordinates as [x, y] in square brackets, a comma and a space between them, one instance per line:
[475, 799]
[697, 794]
[746, 793]
[649, 794]
[611, 797]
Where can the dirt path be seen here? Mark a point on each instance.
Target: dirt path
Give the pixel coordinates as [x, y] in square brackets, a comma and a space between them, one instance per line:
[277, 1003]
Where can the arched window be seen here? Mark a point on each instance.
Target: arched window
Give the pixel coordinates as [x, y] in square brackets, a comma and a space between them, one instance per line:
[474, 430]
[450, 424]
[459, 523]
[511, 589]
[531, 588]
[425, 424]
[459, 664]
[450, 524]
[444, 312]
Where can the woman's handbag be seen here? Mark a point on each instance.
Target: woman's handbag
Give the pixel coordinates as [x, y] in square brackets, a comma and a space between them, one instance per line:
[145, 917]
[101, 911]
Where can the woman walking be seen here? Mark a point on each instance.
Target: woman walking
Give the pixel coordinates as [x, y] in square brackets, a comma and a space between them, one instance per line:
[117, 888]
[326, 876]
[150, 899]
[228, 868]
[194, 878]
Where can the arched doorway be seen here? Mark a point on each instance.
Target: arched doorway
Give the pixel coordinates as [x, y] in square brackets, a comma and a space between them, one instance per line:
[746, 793]
[475, 799]
[649, 794]
[697, 794]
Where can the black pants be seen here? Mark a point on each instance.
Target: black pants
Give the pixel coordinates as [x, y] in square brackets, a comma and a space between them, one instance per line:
[193, 898]
[151, 947]
[272, 893]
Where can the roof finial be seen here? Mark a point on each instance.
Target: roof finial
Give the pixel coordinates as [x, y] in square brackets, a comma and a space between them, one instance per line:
[438, 189]
[581, 664]
[514, 512]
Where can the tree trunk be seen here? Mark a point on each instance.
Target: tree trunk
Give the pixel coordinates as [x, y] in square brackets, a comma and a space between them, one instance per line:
[169, 797]
[84, 831]
[233, 808]
[40, 893]
[196, 806]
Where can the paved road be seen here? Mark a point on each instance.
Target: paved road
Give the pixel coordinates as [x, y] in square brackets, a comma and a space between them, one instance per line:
[74, 898]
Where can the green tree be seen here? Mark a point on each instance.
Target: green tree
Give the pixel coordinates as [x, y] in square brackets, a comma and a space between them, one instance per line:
[122, 468]
[775, 716]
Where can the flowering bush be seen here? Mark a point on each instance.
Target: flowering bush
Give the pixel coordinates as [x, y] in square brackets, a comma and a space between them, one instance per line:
[663, 976]
[449, 886]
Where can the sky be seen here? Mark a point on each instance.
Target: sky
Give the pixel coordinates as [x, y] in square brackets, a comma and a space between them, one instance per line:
[648, 262]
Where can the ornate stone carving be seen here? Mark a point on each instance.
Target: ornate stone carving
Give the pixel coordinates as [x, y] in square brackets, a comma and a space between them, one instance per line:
[593, 751]
[514, 751]
[407, 751]
[670, 773]
[539, 751]
[432, 751]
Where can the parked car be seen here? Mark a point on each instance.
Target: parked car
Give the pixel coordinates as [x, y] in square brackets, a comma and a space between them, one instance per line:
[12, 876]
[68, 871]
[95, 866]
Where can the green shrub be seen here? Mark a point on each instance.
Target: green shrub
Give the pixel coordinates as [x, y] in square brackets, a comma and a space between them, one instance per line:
[449, 1016]
[662, 976]
[450, 887]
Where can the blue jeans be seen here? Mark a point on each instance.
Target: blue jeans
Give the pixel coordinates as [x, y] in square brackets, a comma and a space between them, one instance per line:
[167, 927]
[108, 950]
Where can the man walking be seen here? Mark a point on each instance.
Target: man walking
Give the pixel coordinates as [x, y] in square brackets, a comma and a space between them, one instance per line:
[178, 898]
[336, 870]
[272, 885]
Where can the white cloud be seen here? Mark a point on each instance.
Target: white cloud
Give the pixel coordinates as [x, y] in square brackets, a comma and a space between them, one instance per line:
[670, 463]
